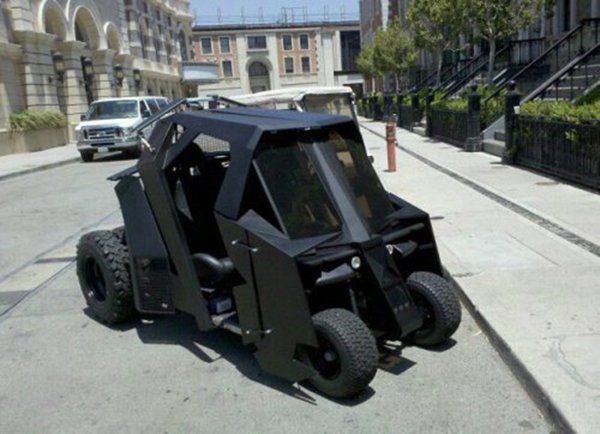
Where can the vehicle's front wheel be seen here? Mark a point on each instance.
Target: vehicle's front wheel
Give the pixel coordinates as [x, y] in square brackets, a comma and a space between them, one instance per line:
[103, 271]
[87, 156]
[346, 358]
[439, 305]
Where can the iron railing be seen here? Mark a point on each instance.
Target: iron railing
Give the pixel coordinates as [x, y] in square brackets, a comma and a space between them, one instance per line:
[408, 116]
[572, 45]
[449, 125]
[573, 80]
[559, 148]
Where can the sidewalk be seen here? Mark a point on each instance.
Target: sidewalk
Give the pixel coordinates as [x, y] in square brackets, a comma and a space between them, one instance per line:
[18, 164]
[525, 251]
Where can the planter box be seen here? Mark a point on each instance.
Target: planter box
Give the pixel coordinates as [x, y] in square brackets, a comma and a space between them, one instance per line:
[14, 142]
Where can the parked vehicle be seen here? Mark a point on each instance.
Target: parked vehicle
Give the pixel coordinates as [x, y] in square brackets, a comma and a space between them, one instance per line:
[337, 100]
[272, 225]
[108, 125]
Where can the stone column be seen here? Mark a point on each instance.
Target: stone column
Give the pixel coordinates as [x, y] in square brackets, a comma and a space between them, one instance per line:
[73, 86]
[128, 86]
[39, 78]
[104, 78]
[573, 14]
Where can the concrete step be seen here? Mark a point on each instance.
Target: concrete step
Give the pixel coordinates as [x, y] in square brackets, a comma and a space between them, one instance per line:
[499, 135]
[419, 129]
[494, 147]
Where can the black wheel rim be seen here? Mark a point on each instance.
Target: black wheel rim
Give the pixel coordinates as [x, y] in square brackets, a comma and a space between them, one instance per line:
[325, 359]
[94, 279]
[427, 313]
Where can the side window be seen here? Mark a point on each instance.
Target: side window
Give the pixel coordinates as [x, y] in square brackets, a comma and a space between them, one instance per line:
[153, 105]
[162, 103]
[144, 111]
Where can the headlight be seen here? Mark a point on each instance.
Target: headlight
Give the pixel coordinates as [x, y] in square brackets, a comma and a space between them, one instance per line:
[355, 262]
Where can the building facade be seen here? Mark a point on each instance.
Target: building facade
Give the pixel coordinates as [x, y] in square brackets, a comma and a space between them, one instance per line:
[62, 54]
[551, 25]
[253, 58]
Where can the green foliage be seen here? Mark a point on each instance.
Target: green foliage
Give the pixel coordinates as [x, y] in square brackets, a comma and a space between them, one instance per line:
[500, 19]
[590, 97]
[489, 112]
[364, 61]
[436, 26]
[36, 120]
[393, 50]
[563, 110]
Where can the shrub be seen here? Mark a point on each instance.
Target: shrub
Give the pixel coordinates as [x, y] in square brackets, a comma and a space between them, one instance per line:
[563, 110]
[36, 120]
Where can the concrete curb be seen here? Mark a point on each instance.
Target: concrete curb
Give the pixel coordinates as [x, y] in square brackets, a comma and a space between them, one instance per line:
[39, 168]
[533, 388]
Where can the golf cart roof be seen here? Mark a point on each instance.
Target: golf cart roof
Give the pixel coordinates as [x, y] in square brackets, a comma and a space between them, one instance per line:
[289, 94]
[237, 125]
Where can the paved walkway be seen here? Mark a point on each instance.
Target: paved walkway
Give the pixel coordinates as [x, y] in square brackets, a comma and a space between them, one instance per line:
[525, 251]
[19, 164]
[523, 248]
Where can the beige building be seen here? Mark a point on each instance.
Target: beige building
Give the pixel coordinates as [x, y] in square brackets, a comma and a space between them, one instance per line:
[253, 58]
[62, 54]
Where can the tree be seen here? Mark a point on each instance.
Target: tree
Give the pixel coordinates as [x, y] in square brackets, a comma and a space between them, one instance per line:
[497, 19]
[394, 51]
[364, 61]
[436, 26]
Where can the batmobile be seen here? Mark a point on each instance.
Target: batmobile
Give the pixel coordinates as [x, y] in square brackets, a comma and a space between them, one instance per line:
[275, 226]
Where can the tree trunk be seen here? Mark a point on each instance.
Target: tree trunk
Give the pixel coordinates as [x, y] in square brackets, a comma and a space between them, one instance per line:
[440, 60]
[492, 60]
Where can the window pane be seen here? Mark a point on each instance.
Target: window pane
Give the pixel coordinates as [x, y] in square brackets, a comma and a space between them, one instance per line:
[306, 64]
[304, 42]
[227, 69]
[297, 192]
[257, 42]
[289, 65]
[224, 41]
[206, 46]
[371, 198]
[287, 42]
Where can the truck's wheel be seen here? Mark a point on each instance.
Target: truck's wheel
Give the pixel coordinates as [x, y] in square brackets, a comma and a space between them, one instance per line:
[346, 359]
[439, 305]
[103, 271]
[86, 156]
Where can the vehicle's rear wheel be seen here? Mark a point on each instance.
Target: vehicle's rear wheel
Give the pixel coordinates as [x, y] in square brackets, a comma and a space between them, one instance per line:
[103, 271]
[346, 358]
[439, 305]
[87, 156]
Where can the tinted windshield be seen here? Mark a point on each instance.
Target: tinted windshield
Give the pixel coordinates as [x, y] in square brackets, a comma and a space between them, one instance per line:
[371, 198]
[296, 190]
[113, 110]
[332, 104]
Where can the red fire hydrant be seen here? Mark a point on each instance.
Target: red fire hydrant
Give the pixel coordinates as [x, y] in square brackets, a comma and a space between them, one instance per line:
[390, 136]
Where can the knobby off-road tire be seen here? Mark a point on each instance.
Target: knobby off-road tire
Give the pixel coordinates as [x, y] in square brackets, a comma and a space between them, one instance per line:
[440, 307]
[347, 357]
[103, 271]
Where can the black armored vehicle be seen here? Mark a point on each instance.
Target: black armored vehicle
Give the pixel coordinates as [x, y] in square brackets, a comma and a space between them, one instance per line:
[275, 226]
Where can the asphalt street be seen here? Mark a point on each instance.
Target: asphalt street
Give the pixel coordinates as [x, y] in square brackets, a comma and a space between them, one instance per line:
[61, 371]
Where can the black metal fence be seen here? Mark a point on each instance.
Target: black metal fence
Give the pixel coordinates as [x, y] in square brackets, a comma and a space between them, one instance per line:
[563, 149]
[449, 125]
[408, 116]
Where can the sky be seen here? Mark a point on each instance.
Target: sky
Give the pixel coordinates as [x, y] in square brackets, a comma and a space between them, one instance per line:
[207, 11]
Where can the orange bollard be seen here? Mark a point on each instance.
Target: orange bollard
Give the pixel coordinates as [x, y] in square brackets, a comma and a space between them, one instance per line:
[390, 135]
